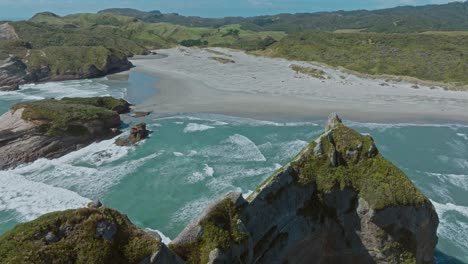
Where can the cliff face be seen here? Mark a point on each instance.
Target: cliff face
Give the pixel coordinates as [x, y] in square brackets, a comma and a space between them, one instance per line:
[13, 72]
[338, 201]
[52, 128]
[36, 62]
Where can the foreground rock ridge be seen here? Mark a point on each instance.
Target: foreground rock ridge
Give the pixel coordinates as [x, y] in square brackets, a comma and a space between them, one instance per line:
[338, 201]
[52, 128]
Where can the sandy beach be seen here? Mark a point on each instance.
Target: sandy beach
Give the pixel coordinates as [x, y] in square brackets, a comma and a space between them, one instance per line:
[267, 88]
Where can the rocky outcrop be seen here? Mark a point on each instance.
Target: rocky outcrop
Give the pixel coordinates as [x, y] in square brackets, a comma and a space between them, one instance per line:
[13, 72]
[85, 235]
[137, 134]
[7, 32]
[52, 128]
[34, 65]
[338, 201]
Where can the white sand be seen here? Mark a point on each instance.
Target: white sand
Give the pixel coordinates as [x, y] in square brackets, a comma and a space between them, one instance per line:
[267, 88]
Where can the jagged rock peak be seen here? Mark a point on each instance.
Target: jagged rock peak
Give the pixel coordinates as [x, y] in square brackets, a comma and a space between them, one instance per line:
[333, 121]
[341, 202]
[339, 191]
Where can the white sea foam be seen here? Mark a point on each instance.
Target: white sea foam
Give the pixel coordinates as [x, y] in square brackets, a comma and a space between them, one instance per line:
[383, 127]
[200, 176]
[209, 171]
[32, 199]
[193, 127]
[228, 174]
[451, 227]
[165, 239]
[290, 149]
[192, 153]
[89, 171]
[456, 180]
[191, 209]
[196, 177]
[74, 88]
[458, 162]
[247, 194]
[458, 148]
[464, 136]
[178, 154]
[235, 148]
[221, 120]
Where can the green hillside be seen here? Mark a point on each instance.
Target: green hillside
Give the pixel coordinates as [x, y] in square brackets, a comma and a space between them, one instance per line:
[80, 44]
[433, 57]
[446, 17]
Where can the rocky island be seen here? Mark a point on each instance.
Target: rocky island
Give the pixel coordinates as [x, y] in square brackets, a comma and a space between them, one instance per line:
[52, 128]
[338, 201]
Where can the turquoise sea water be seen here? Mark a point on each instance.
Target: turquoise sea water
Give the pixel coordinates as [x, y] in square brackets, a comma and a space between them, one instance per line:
[190, 159]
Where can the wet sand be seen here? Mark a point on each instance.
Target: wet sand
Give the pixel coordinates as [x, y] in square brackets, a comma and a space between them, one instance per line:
[265, 88]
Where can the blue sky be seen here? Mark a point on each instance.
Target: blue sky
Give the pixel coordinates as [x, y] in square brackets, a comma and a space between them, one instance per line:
[15, 9]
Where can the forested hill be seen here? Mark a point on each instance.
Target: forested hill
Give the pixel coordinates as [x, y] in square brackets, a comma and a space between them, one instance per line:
[446, 17]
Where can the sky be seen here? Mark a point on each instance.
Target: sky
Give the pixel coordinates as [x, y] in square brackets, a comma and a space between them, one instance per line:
[23, 9]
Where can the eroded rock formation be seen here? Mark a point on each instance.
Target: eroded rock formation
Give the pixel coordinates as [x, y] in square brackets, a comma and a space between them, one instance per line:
[338, 201]
[53, 128]
[137, 134]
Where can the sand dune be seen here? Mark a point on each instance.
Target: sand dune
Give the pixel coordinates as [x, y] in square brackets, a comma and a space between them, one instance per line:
[192, 81]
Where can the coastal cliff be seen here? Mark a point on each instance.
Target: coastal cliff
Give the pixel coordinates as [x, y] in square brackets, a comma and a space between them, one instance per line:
[52, 128]
[338, 201]
[28, 55]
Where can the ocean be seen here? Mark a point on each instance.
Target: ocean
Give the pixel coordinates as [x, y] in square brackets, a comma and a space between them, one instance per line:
[192, 159]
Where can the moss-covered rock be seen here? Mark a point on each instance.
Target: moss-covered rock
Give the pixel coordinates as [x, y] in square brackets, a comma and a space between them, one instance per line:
[77, 236]
[74, 116]
[338, 201]
[117, 105]
[219, 229]
[52, 128]
[358, 165]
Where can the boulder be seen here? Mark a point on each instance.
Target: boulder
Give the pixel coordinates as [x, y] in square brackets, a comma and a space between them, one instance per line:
[95, 204]
[137, 134]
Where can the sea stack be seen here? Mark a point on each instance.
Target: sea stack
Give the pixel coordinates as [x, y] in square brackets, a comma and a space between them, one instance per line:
[359, 209]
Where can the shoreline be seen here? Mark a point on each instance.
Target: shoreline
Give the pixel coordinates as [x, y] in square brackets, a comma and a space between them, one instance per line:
[212, 89]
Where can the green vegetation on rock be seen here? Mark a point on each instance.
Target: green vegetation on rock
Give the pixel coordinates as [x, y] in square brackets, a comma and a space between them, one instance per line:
[77, 236]
[118, 105]
[220, 230]
[360, 167]
[313, 72]
[222, 60]
[71, 116]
